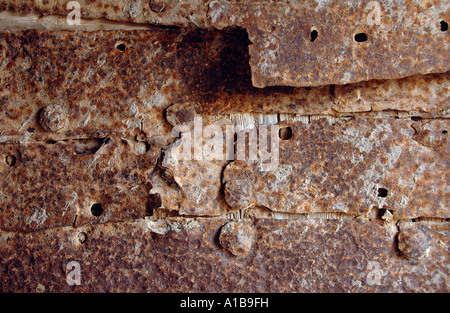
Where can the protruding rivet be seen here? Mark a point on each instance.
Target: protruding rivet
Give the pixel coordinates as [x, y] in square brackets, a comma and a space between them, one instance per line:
[413, 242]
[81, 237]
[157, 6]
[237, 237]
[53, 118]
[10, 160]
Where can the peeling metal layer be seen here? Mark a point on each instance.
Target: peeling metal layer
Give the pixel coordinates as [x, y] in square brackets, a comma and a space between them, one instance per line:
[350, 167]
[286, 256]
[406, 40]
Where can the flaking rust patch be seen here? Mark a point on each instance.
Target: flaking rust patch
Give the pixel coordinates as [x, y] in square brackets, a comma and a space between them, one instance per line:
[346, 167]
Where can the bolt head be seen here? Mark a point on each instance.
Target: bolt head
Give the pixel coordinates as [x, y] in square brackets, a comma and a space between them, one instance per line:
[413, 242]
[237, 237]
[53, 118]
[81, 237]
[157, 6]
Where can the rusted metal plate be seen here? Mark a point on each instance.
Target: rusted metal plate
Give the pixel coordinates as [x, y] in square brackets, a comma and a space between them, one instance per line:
[350, 167]
[75, 182]
[86, 141]
[284, 256]
[311, 43]
[98, 89]
[103, 91]
[161, 12]
[200, 187]
[422, 94]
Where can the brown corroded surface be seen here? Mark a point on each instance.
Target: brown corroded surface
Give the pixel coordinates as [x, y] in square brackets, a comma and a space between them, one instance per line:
[413, 242]
[406, 39]
[287, 256]
[283, 51]
[237, 237]
[161, 12]
[104, 91]
[90, 121]
[55, 185]
[416, 94]
[101, 90]
[343, 167]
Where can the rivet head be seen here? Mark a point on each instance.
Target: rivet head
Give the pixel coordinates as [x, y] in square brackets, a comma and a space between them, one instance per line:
[413, 242]
[237, 237]
[157, 6]
[53, 118]
[81, 237]
[10, 160]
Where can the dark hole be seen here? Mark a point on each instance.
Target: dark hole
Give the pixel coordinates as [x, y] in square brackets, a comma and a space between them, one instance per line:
[444, 26]
[285, 133]
[154, 202]
[444, 131]
[382, 211]
[416, 118]
[361, 37]
[97, 209]
[314, 34]
[121, 47]
[382, 192]
[10, 160]
[88, 146]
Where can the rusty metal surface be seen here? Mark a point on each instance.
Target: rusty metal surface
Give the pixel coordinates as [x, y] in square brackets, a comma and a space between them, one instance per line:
[87, 175]
[161, 12]
[424, 95]
[416, 94]
[342, 167]
[407, 41]
[104, 91]
[100, 90]
[56, 185]
[286, 256]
